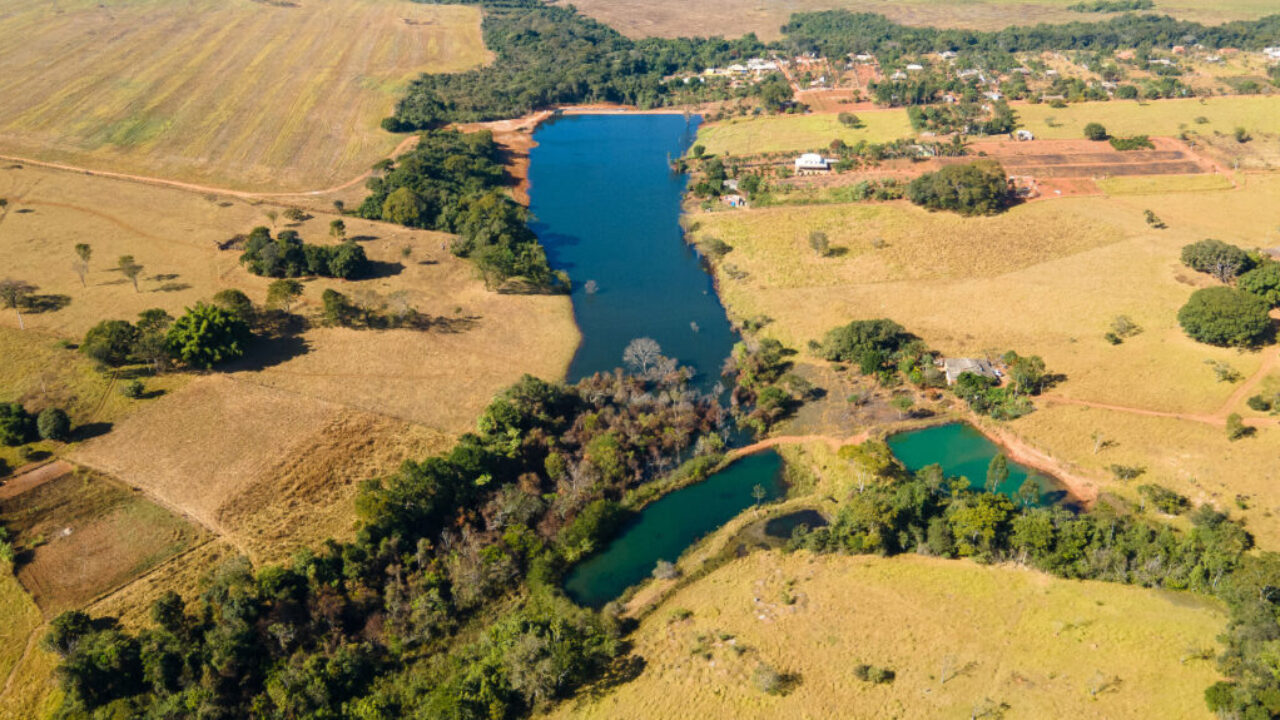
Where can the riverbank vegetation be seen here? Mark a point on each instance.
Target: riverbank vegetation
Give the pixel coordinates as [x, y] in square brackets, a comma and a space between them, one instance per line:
[453, 182]
[473, 538]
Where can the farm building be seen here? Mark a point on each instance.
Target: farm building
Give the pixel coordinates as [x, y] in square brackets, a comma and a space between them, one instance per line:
[812, 163]
[955, 367]
[1023, 135]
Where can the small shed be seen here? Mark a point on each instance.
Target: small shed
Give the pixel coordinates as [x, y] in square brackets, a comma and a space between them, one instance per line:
[955, 367]
[812, 163]
[1023, 135]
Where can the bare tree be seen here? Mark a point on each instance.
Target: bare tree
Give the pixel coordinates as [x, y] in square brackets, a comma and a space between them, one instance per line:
[642, 353]
[81, 264]
[131, 269]
[14, 294]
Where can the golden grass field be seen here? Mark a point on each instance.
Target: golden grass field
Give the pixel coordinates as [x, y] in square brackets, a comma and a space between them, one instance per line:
[235, 93]
[1045, 278]
[1015, 636]
[268, 455]
[795, 133]
[1256, 113]
[1194, 459]
[39, 372]
[670, 18]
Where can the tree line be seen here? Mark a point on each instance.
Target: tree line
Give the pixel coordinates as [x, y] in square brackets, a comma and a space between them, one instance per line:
[453, 182]
[447, 603]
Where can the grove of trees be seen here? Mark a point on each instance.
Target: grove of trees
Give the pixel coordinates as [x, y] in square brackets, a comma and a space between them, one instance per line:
[977, 188]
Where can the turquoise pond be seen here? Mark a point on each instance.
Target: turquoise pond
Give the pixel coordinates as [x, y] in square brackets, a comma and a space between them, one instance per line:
[963, 451]
[667, 527]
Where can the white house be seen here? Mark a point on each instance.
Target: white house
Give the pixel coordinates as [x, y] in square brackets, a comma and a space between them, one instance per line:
[812, 164]
[1024, 135]
[914, 67]
[1272, 53]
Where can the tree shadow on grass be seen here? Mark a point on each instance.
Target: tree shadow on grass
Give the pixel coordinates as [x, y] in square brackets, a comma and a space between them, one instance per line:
[90, 430]
[172, 287]
[36, 304]
[377, 270]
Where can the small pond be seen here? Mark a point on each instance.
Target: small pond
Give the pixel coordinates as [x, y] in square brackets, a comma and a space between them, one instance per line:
[963, 451]
[667, 527]
[783, 526]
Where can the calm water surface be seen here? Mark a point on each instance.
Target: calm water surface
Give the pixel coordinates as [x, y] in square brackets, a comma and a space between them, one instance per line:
[608, 211]
[963, 451]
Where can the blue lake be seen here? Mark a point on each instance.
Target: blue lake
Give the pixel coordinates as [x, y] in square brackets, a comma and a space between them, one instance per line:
[608, 211]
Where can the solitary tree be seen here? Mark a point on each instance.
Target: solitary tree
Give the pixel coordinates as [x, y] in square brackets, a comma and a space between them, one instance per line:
[1029, 492]
[207, 335]
[283, 292]
[819, 242]
[997, 472]
[81, 264]
[53, 424]
[642, 353]
[110, 342]
[131, 269]
[1225, 316]
[1095, 131]
[337, 228]
[903, 404]
[14, 294]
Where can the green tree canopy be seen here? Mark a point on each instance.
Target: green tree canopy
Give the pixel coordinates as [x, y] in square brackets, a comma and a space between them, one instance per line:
[1219, 259]
[1263, 281]
[1225, 316]
[977, 188]
[208, 335]
[110, 342]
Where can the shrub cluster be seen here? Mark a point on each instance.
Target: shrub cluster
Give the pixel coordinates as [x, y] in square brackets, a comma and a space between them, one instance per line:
[287, 256]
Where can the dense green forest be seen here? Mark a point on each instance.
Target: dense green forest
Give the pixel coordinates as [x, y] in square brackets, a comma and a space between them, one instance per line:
[548, 56]
[454, 182]
[552, 55]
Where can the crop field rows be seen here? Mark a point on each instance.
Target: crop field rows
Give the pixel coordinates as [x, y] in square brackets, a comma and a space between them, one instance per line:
[233, 93]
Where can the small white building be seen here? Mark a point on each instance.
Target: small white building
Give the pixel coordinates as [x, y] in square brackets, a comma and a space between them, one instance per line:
[914, 67]
[1023, 135]
[1272, 53]
[812, 164]
[947, 55]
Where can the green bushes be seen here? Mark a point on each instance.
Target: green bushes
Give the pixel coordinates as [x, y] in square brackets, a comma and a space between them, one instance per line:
[1263, 281]
[869, 343]
[1095, 131]
[1225, 317]
[1136, 142]
[978, 188]
[287, 256]
[17, 427]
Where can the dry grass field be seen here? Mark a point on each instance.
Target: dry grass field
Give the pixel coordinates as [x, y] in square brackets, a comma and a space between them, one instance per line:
[1194, 459]
[80, 536]
[730, 18]
[251, 95]
[280, 472]
[484, 342]
[796, 133]
[1256, 113]
[1004, 636]
[1046, 278]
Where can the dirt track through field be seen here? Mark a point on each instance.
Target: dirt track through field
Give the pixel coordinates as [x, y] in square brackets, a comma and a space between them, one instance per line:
[405, 145]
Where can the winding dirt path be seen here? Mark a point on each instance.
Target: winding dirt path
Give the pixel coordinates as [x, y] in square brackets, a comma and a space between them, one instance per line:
[405, 145]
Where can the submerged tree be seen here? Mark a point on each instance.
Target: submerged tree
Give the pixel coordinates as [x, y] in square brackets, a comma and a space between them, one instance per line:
[642, 354]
